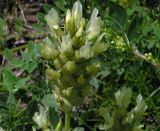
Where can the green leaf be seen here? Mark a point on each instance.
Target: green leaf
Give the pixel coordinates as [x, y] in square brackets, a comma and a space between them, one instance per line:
[49, 101]
[19, 24]
[31, 67]
[41, 17]
[8, 54]
[21, 83]
[1, 42]
[9, 79]
[94, 82]
[12, 61]
[11, 99]
[39, 28]
[133, 27]
[24, 66]
[60, 5]
[47, 7]
[118, 13]
[3, 27]
[33, 50]
[16, 63]
[54, 117]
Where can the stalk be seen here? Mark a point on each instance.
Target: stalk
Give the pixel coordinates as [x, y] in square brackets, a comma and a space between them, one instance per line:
[67, 120]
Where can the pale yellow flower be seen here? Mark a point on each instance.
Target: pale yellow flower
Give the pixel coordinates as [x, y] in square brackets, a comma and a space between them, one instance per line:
[52, 19]
[94, 25]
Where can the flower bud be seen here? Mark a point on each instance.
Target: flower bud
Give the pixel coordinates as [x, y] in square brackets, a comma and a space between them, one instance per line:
[81, 80]
[63, 59]
[77, 55]
[80, 30]
[53, 75]
[93, 68]
[68, 16]
[70, 67]
[57, 64]
[77, 12]
[67, 92]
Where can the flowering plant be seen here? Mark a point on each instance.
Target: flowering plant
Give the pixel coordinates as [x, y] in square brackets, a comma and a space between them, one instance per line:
[73, 55]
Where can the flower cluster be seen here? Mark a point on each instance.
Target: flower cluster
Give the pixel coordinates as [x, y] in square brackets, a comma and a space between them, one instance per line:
[119, 43]
[151, 58]
[73, 52]
[121, 118]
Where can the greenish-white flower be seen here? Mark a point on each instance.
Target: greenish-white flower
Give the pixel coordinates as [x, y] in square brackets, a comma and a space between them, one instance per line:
[52, 19]
[68, 16]
[108, 120]
[129, 118]
[41, 117]
[81, 28]
[94, 25]
[1, 129]
[123, 97]
[66, 45]
[85, 51]
[119, 97]
[140, 107]
[77, 11]
[48, 50]
[127, 97]
[99, 47]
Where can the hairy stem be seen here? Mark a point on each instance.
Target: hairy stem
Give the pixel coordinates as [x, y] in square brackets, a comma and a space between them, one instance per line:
[67, 120]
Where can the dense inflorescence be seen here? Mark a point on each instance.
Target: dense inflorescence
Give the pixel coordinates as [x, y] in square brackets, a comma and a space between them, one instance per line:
[73, 54]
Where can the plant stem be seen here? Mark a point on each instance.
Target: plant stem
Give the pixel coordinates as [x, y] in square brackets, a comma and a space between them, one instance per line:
[67, 121]
[16, 49]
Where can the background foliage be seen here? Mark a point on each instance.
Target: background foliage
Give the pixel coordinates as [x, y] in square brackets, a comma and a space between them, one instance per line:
[22, 83]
